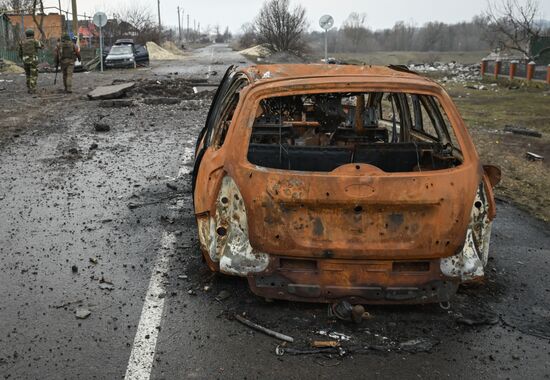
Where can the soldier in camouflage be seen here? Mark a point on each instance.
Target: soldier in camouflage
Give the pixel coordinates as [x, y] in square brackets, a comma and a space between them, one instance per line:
[66, 53]
[28, 51]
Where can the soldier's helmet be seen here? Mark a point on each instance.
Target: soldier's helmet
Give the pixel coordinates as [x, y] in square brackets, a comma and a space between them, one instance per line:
[29, 33]
[65, 37]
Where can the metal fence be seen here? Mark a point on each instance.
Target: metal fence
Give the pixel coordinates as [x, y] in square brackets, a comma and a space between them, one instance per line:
[44, 56]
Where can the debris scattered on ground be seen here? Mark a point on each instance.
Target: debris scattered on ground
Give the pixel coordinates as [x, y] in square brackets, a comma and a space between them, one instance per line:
[479, 319]
[521, 131]
[281, 350]
[344, 311]
[74, 269]
[82, 313]
[106, 284]
[116, 103]
[533, 156]
[171, 186]
[456, 72]
[264, 330]
[223, 295]
[334, 335]
[102, 127]
[110, 92]
[182, 277]
[417, 345]
[69, 303]
[93, 260]
[132, 205]
[157, 53]
[166, 101]
[325, 343]
[93, 146]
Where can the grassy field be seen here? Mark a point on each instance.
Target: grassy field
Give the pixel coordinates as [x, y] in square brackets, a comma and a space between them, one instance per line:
[525, 183]
[408, 57]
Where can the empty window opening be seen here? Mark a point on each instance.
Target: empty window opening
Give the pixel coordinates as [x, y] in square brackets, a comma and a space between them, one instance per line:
[395, 132]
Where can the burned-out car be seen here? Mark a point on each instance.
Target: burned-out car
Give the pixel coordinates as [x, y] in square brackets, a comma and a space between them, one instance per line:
[328, 182]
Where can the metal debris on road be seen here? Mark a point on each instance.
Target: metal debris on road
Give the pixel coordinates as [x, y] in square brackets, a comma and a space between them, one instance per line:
[534, 157]
[417, 345]
[521, 131]
[223, 295]
[266, 331]
[325, 343]
[334, 335]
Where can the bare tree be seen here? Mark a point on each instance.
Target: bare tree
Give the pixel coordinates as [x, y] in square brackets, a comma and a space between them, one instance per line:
[138, 15]
[512, 25]
[354, 29]
[16, 6]
[248, 36]
[280, 28]
[39, 24]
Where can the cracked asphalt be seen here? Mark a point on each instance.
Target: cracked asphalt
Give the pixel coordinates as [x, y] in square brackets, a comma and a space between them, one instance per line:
[90, 221]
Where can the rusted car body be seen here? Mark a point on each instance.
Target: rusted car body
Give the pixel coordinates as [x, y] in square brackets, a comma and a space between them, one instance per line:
[325, 182]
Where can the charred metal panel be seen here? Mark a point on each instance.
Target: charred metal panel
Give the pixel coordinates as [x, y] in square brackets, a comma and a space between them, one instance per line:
[470, 262]
[224, 236]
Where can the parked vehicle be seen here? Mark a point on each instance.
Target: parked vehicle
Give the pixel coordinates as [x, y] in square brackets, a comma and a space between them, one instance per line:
[120, 56]
[327, 182]
[140, 51]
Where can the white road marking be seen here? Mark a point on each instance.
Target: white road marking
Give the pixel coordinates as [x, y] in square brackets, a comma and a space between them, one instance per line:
[145, 341]
[210, 66]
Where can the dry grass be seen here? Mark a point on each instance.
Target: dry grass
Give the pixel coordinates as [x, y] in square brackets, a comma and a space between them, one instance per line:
[486, 113]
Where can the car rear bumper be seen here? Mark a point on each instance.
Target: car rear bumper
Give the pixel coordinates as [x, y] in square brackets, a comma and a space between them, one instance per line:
[119, 65]
[358, 281]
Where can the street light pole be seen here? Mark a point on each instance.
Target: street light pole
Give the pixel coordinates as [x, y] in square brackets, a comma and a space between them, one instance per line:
[179, 22]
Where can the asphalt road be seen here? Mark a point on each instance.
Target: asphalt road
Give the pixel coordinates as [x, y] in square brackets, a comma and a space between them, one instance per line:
[110, 230]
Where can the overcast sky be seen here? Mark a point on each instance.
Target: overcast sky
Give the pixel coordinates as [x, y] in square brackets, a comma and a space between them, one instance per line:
[233, 13]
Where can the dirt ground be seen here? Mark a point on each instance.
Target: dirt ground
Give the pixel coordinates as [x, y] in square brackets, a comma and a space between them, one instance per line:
[90, 219]
[487, 113]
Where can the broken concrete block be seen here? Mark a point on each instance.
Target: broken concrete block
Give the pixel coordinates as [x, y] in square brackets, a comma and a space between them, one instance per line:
[81, 313]
[116, 103]
[102, 127]
[110, 92]
[166, 101]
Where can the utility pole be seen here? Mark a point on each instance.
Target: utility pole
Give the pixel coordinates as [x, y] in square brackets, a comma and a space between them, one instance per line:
[199, 29]
[179, 21]
[187, 26]
[75, 21]
[194, 26]
[160, 25]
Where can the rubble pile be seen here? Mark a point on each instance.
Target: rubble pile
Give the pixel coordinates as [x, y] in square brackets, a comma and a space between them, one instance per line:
[453, 71]
[10, 67]
[158, 53]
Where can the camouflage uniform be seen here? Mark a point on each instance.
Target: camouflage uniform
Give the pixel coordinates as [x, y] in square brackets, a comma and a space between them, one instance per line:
[28, 51]
[66, 53]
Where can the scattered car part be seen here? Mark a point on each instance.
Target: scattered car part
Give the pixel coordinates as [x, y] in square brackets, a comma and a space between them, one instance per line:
[262, 329]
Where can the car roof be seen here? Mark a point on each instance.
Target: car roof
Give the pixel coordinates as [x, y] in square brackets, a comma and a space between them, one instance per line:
[302, 71]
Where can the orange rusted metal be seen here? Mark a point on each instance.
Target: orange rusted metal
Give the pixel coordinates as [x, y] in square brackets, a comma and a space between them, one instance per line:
[356, 232]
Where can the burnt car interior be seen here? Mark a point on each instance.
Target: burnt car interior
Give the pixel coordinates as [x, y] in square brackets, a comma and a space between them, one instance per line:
[392, 131]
